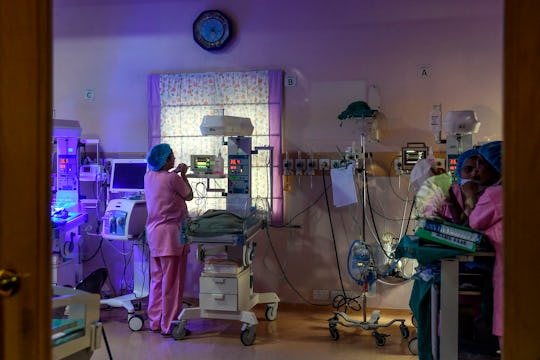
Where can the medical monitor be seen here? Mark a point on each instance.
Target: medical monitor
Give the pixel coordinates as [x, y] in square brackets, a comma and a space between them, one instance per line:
[203, 164]
[127, 175]
[411, 154]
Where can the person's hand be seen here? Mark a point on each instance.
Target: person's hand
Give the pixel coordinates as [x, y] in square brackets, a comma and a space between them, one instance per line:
[457, 216]
[181, 168]
[470, 196]
[470, 189]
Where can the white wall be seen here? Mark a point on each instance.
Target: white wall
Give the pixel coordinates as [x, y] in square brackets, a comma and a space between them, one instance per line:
[333, 49]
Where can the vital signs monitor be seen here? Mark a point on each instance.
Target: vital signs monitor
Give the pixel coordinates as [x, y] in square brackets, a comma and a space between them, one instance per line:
[127, 175]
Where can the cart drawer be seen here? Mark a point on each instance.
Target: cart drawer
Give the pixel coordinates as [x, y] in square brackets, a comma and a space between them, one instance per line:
[225, 302]
[220, 285]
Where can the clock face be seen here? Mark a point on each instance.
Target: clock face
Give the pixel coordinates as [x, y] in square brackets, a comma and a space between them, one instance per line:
[211, 30]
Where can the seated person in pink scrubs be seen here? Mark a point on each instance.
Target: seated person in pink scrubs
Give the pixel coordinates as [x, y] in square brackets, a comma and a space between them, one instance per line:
[486, 214]
[453, 208]
[166, 193]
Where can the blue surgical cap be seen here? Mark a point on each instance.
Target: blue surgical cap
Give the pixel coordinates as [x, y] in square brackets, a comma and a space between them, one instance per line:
[492, 152]
[462, 158]
[157, 156]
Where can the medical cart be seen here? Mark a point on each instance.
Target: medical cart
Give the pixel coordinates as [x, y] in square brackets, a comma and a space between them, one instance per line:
[226, 283]
[125, 220]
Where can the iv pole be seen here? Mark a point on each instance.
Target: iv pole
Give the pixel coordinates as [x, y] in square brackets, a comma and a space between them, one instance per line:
[364, 204]
[372, 324]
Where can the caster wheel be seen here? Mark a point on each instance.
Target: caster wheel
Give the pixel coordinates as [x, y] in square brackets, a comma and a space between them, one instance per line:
[179, 332]
[334, 333]
[404, 331]
[136, 323]
[380, 339]
[413, 346]
[271, 312]
[248, 254]
[247, 336]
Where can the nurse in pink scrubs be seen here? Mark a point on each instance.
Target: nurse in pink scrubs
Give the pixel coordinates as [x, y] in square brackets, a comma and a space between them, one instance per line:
[486, 214]
[452, 209]
[166, 193]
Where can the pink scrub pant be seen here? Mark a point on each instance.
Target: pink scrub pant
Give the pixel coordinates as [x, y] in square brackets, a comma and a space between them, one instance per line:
[167, 275]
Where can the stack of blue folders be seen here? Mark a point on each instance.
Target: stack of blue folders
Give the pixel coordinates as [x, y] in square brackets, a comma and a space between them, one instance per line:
[449, 234]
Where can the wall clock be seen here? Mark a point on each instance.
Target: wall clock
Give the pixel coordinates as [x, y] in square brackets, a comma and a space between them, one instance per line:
[212, 30]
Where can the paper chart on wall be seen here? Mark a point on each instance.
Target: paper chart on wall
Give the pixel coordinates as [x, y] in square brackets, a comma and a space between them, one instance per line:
[343, 186]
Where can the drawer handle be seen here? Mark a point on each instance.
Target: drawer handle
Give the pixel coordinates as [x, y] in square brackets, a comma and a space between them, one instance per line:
[219, 281]
[219, 297]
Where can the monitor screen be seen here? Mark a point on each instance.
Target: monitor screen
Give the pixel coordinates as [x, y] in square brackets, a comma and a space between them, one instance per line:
[127, 175]
[203, 164]
[411, 155]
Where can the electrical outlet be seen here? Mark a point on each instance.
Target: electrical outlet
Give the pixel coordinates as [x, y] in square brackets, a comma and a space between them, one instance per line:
[324, 164]
[321, 294]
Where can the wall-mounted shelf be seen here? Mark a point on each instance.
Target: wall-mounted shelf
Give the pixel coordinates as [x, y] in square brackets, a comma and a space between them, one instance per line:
[208, 177]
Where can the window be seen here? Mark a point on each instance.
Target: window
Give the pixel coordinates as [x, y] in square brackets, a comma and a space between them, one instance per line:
[177, 104]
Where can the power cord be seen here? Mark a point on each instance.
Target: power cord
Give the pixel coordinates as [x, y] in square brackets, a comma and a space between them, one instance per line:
[339, 300]
[288, 224]
[282, 269]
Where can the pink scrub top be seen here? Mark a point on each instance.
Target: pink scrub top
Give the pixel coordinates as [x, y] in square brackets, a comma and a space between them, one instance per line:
[167, 210]
[487, 216]
[445, 209]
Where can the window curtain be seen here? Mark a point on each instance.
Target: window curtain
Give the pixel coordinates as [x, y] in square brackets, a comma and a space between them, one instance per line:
[177, 102]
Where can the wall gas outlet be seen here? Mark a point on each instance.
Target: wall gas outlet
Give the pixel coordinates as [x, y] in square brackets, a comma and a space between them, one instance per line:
[311, 166]
[300, 166]
[287, 167]
[398, 166]
[440, 163]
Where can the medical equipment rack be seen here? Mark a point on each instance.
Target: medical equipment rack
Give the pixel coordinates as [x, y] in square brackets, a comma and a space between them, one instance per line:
[373, 322]
[125, 220]
[228, 295]
[141, 286]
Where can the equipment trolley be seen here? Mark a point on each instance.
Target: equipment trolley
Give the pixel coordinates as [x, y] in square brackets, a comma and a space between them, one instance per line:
[226, 283]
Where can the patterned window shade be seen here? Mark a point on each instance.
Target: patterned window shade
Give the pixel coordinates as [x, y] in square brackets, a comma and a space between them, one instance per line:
[176, 106]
